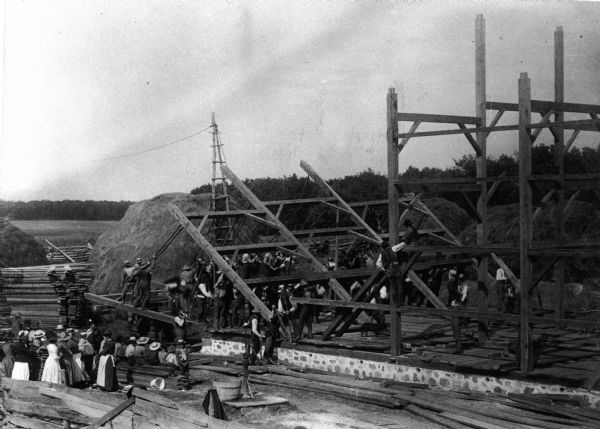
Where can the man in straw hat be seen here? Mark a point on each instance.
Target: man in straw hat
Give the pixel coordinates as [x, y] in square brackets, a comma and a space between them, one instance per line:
[152, 356]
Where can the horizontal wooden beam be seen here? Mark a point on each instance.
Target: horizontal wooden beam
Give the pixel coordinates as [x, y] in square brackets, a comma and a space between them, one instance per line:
[341, 304]
[585, 124]
[223, 214]
[255, 247]
[326, 232]
[541, 106]
[299, 201]
[162, 317]
[447, 119]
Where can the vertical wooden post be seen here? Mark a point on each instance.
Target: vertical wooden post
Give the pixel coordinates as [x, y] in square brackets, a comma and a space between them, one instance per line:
[393, 212]
[525, 219]
[559, 148]
[482, 227]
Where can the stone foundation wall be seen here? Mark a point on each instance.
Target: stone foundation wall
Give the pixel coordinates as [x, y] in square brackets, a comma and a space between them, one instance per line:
[362, 368]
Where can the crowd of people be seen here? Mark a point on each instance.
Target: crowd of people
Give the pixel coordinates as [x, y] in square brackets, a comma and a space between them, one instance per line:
[84, 357]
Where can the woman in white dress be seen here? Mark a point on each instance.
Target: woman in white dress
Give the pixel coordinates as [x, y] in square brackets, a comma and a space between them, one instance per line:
[51, 371]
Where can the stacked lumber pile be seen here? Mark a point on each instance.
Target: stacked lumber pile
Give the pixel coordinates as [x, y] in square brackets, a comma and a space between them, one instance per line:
[446, 408]
[75, 253]
[29, 292]
[35, 404]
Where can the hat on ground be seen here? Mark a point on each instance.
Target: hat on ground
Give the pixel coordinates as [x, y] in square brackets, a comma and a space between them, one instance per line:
[500, 274]
[68, 268]
[186, 267]
[154, 346]
[143, 340]
[158, 383]
[179, 321]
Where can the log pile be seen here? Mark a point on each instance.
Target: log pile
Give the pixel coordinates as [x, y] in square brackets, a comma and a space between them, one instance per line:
[446, 408]
[76, 253]
[35, 404]
[28, 291]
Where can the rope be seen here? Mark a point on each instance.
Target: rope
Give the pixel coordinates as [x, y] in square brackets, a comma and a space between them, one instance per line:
[146, 150]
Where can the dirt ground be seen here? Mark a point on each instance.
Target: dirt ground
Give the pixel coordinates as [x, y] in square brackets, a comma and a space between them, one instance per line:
[306, 410]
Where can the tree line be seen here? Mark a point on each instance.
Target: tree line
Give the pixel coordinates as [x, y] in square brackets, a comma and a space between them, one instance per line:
[64, 210]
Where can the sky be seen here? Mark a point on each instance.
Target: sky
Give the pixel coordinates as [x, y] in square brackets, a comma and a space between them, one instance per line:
[90, 88]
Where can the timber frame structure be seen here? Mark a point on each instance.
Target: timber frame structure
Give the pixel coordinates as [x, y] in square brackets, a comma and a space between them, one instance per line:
[404, 200]
[476, 130]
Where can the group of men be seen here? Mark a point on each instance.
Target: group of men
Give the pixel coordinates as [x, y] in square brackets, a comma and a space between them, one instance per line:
[137, 278]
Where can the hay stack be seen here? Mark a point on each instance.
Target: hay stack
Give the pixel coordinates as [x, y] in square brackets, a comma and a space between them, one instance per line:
[145, 227]
[19, 249]
[454, 217]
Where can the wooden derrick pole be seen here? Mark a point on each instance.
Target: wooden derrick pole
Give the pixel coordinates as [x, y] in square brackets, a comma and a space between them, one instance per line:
[481, 157]
[525, 212]
[393, 213]
[559, 162]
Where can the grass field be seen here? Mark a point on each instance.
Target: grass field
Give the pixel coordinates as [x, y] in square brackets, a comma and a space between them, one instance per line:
[65, 232]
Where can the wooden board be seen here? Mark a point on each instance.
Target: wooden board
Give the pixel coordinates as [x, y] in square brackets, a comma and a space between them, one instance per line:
[258, 401]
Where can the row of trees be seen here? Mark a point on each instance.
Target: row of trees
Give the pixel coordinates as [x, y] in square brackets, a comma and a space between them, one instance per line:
[64, 210]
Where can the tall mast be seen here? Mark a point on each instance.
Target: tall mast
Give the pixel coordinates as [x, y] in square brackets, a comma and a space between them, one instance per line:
[217, 177]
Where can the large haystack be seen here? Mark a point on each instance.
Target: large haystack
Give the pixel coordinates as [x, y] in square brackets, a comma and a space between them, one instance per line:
[19, 249]
[146, 226]
[454, 217]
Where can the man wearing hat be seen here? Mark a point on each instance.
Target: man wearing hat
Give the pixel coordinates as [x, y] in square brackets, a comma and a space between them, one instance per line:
[187, 285]
[255, 336]
[152, 356]
[127, 280]
[306, 311]
[500, 289]
[182, 354]
[141, 350]
[143, 275]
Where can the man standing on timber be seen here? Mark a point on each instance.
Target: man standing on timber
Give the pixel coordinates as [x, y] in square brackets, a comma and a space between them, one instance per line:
[459, 303]
[144, 281]
[127, 280]
[187, 285]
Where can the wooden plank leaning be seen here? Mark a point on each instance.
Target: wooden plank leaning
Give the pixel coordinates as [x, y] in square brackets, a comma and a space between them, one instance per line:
[112, 413]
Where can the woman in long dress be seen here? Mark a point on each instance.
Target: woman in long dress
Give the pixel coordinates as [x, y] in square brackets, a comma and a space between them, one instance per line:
[22, 357]
[107, 372]
[9, 358]
[51, 372]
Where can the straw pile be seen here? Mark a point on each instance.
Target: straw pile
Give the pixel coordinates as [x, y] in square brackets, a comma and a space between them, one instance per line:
[19, 249]
[146, 226]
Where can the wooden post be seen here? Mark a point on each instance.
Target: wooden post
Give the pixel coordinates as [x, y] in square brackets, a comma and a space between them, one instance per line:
[525, 220]
[559, 153]
[481, 171]
[393, 213]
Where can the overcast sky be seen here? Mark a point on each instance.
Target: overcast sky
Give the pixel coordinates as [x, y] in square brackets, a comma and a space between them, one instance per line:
[84, 81]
